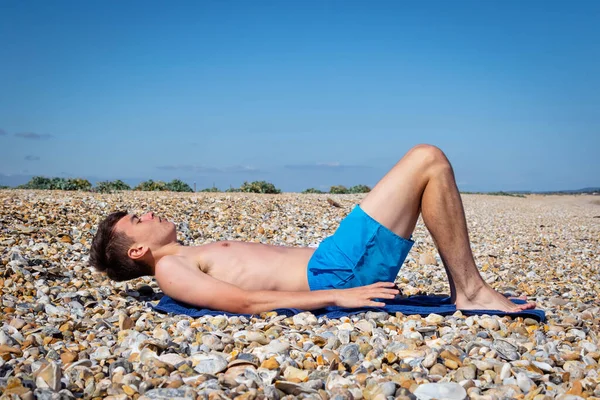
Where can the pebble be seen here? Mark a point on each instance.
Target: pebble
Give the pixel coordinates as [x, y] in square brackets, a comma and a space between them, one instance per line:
[48, 377]
[447, 391]
[209, 364]
[67, 331]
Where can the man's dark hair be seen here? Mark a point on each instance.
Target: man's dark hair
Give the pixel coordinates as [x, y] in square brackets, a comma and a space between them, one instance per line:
[109, 252]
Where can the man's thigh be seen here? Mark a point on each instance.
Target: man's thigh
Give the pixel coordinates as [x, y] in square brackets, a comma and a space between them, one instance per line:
[396, 199]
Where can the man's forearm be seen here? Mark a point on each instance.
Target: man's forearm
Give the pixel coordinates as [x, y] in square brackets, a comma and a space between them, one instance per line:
[267, 300]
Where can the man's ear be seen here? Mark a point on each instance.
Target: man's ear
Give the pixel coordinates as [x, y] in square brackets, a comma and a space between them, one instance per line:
[137, 251]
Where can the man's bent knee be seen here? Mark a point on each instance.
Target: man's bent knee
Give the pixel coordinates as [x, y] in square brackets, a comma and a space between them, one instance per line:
[427, 155]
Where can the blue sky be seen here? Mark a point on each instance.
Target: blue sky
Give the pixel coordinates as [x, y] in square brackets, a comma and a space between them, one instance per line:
[300, 93]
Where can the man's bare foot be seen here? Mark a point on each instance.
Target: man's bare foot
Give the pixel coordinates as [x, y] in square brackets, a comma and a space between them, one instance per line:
[489, 299]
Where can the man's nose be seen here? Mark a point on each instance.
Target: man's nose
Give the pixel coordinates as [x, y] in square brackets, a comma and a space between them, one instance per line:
[149, 215]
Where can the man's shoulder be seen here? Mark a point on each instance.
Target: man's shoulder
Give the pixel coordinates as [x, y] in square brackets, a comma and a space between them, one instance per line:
[170, 259]
[173, 261]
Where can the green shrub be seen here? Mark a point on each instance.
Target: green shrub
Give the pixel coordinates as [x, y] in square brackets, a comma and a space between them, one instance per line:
[152, 186]
[43, 183]
[38, 182]
[79, 184]
[232, 190]
[177, 185]
[108, 187]
[60, 184]
[259, 187]
[4, 187]
[211, 190]
[338, 190]
[312, 190]
[506, 194]
[359, 189]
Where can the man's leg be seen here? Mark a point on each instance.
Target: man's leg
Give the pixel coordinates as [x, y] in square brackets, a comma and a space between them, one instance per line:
[423, 181]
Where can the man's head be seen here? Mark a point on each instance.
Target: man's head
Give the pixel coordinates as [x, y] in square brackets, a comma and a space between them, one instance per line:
[125, 244]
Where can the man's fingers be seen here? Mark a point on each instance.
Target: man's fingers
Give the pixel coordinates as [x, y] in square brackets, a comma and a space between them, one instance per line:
[375, 304]
[382, 296]
[383, 284]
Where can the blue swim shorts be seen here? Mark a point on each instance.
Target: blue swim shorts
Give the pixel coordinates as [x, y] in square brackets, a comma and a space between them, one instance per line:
[360, 252]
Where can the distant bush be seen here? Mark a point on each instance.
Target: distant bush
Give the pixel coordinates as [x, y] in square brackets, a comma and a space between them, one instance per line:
[4, 187]
[38, 182]
[109, 187]
[259, 187]
[211, 190]
[79, 184]
[43, 183]
[521, 195]
[312, 190]
[233, 190]
[338, 189]
[506, 194]
[359, 189]
[177, 185]
[152, 186]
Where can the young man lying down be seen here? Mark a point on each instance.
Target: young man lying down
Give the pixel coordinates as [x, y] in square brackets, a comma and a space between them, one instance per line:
[355, 267]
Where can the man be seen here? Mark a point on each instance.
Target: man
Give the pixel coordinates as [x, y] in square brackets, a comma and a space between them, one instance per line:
[356, 267]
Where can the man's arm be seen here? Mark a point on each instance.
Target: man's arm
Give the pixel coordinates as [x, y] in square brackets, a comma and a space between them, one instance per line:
[192, 286]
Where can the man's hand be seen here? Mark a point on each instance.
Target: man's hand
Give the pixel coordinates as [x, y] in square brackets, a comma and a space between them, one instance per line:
[363, 296]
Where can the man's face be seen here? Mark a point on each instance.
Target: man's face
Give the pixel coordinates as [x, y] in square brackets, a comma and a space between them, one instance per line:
[148, 229]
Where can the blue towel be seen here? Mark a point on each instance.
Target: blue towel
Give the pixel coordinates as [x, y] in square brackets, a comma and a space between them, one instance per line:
[422, 305]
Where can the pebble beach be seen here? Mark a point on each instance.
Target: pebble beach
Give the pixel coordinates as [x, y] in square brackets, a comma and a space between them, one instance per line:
[67, 331]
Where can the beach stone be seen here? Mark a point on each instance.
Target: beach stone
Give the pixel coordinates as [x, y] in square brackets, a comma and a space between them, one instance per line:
[544, 366]
[43, 394]
[5, 350]
[427, 259]
[430, 359]
[483, 365]
[5, 340]
[101, 353]
[210, 364]
[434, 319]
[17, 323]
[293, 374]
[350, 354]
[231, 375]
[335, 380]
[506, 350]
[304, 319]
[270, 363]
[172, 359]
[274, 347]
[125, 322]
[294, 389]
[167, 394]
[438, 369]
[503, 391]
[68, 357]
[489, 323]
[524, 382]
[48, 377]
[505, 371]
[344, 336]
[120, 363]
[364, 326]
[257, 337]
[558, 301]
[465, 373]
[212, 342]
[448, 391]
[379, 391]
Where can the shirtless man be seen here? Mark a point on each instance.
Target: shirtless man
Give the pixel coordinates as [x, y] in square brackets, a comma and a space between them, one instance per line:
[355, 267]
